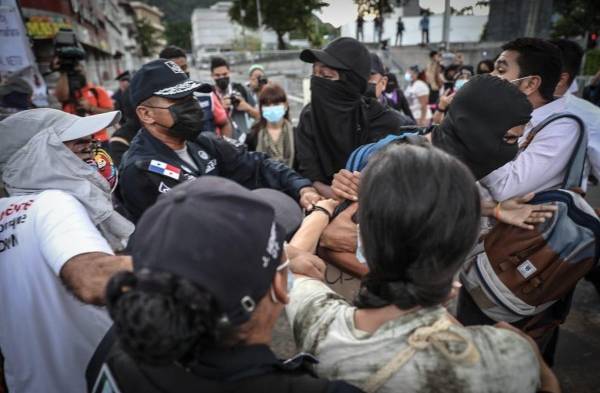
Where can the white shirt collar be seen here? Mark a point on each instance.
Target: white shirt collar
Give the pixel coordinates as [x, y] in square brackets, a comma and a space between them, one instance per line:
[556, 106]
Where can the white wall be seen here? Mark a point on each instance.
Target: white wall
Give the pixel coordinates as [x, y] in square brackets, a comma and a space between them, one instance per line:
[462, 29]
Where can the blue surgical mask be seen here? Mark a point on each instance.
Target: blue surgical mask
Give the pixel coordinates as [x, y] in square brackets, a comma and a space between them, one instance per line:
[407, 77]
[360, 255]
[460, 83]
[273, 114]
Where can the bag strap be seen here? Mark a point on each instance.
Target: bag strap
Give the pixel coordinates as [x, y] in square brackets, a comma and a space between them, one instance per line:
[574, 173]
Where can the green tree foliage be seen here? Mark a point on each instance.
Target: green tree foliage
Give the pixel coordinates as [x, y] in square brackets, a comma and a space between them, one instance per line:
[147, 37]
[374, 7]
[577, 17]
[179, 33]
[280, 16]
[179, 10]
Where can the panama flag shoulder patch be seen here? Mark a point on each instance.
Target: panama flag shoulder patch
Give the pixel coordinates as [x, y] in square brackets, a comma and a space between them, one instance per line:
[162, 168]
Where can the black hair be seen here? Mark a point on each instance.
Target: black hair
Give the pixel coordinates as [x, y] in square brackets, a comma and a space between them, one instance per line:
[538, 57]
[451, 68]
[161, 318]
[571, 54]
[171, 52]
[216, 62]
[419, 217]
[488, 62]
[432, 53]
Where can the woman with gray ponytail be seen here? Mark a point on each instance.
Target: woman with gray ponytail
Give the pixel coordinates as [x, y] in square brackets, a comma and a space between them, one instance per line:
[418, 218]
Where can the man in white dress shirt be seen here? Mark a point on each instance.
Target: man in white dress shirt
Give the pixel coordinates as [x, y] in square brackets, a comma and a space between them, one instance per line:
[535, 66]
[572, 55]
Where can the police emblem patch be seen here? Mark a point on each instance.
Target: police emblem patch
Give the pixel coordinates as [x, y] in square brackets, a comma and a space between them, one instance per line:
[202, 154]
[174, 67]
[163, 188]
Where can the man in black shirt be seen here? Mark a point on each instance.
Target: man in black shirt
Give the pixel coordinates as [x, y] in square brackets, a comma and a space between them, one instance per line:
[339, 117]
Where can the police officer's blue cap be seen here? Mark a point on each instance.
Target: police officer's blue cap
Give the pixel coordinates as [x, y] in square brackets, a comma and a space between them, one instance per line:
[219, 235]
[163, 78]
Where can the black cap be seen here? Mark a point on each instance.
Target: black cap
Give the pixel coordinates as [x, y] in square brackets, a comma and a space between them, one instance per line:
[376, 65]
[163, 78]
[219, 235]
[344, 53]
[124, 76]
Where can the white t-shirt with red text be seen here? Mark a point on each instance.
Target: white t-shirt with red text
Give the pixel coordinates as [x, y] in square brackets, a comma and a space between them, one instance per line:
[47, 336]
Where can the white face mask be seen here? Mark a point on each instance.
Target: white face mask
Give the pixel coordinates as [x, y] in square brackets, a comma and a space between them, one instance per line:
[519, 79]
[408, 77]
[290, 275]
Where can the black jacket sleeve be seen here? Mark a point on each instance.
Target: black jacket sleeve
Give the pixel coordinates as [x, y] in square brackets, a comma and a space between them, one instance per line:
[307, 159]
[253, 169]
[139, 189]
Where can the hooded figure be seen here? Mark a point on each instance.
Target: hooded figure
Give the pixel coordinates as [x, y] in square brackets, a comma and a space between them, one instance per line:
[474, 127]
[339, 118]
[34, 158]
[476, 122]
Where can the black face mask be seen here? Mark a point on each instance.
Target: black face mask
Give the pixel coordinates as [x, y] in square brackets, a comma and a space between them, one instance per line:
[391, 86]
[187, 117]
[371, 90]
[222, 83]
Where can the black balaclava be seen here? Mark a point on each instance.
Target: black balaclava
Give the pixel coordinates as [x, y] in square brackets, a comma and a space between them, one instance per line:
[480, 114]
[337, 117]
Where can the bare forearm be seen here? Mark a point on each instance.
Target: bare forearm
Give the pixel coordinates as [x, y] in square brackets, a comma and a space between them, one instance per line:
[86, 275]
[252, 111]
[61, 91]
[307, 237]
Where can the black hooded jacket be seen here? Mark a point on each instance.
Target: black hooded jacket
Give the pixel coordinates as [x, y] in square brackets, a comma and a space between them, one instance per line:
[337, 121]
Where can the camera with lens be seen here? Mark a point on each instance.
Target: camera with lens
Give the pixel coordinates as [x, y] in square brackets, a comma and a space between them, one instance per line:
[235, 99]
[68, 50]
[262, 80]
[69, 53]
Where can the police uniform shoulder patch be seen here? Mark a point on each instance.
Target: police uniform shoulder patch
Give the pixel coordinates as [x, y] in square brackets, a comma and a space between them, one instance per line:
[163, 188]
[162, 168]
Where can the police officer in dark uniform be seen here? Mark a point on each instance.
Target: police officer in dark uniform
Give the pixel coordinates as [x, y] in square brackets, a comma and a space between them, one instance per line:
[209, 281]
[170, 150]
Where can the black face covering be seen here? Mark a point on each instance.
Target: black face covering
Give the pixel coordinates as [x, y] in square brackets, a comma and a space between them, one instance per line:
[222, 83]
[480, 114]
[335, 108]
[187, 116]
[371, 90]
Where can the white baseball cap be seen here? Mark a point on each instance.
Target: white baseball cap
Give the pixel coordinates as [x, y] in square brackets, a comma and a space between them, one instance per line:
[18, 129]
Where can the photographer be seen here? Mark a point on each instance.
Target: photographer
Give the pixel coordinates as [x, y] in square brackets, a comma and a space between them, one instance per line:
[86, 99]
[236, 100]
[256, 80]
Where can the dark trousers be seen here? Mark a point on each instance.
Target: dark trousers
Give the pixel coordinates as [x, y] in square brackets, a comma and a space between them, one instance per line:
[542, 328]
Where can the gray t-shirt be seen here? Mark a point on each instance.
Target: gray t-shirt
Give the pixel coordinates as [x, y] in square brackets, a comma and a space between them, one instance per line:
[185, 156]
[323, 324]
